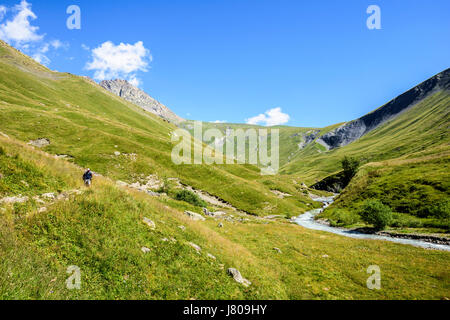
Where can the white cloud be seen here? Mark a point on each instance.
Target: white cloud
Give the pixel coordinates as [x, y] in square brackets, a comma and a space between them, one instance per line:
[19, 32]
[19, 29]
[134, 81]
[119, 61]
[85, 47]
[58, 44]
[272, 117]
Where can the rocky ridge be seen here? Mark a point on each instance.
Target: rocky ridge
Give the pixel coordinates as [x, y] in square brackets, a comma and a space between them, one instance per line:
[127, 91]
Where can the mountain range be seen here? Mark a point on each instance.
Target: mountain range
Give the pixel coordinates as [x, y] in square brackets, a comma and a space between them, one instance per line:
[150, 229]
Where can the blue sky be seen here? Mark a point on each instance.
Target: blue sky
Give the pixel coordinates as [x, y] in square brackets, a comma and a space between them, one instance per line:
[233, 60]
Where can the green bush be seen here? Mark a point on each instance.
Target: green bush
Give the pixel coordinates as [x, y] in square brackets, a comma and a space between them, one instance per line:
[374, 212]
[190, 197]
[2, 151]
[441, 210]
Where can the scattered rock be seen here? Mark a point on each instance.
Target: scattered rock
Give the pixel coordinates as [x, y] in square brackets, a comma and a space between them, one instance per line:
[49, 196]
[325, 256]
[194, 216]
[182, 228]
[196, 247]
[145, 250]
[238, 277]
[12, 200]
[116, 153]
[40, 143]
[277, 250]
[211, 256]
[42, 210]
[220, 225]
[150, 223]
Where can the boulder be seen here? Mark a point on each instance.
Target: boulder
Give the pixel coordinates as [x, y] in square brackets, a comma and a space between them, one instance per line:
[194, 216]
[238, 277]
[40, 143]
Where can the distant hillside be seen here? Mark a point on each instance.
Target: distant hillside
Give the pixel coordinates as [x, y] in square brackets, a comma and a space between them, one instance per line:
[97, 129]
[354, 130]
[124, 89]
[414, 122]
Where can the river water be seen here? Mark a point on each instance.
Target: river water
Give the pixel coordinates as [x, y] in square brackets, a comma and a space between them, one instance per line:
[306, 220]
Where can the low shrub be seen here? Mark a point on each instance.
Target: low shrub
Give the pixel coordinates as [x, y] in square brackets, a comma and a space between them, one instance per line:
[441, 210]
[190, 197]
[374, 212]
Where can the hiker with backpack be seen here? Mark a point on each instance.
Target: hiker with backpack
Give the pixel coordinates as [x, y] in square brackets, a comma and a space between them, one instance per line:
[87, 178]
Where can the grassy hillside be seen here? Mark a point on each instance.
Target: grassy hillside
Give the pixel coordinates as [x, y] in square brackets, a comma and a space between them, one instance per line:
[417, 190]
[89, 124]
[418, 130]
[100, 230]
[50, 221]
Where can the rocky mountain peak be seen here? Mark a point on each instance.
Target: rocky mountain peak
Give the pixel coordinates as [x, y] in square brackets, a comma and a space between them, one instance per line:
[127, 91]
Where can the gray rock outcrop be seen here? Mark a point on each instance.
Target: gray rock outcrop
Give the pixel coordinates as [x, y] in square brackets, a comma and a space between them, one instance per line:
[194, 216]
[127, 91]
